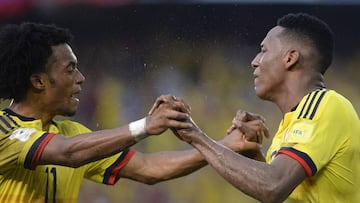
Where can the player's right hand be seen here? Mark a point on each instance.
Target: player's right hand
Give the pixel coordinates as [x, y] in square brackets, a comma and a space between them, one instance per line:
[238, 141]
[251, 125]
[172, 101]
[167, 112]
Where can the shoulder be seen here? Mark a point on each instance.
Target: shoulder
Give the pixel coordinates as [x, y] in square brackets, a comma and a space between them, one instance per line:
[324, 102]
[337, 106]
[8, 123]
[70, 127]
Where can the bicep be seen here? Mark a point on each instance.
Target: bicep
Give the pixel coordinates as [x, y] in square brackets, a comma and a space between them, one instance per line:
[135, 169]
[67, 151]
[53, 153]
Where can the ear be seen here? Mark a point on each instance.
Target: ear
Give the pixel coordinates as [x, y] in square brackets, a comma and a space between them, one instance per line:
[291, 58]
[38, 81]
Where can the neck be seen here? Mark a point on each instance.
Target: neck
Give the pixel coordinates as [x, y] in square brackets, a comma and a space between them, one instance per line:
[296, 90]
[32, 111]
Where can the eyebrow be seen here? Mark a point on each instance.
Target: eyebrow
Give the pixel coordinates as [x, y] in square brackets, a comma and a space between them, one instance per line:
[71, 63]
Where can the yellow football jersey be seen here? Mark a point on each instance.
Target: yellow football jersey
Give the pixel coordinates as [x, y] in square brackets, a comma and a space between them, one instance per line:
[22, 180]
[323, 135]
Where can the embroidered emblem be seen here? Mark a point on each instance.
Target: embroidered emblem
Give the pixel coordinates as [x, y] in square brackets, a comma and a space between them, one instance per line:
[22, 134]
[300, 133]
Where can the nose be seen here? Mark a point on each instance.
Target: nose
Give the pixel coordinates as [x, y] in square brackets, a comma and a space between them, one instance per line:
[80, 77]
[255, 62]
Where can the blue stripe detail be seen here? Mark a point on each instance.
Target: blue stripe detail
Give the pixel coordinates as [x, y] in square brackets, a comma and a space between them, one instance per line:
[6, 122]
[302, 109]
[304, 156]
[31, 152]
[311, 102]
[273, 153]
[3, 130]
[109, 170]
[12, 113]
[12, 120]
[317, 104]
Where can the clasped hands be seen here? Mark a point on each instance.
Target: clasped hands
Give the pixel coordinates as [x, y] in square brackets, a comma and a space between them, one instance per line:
[245, 133]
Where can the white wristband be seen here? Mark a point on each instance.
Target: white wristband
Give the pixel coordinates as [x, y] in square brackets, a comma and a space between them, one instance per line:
[137, 129]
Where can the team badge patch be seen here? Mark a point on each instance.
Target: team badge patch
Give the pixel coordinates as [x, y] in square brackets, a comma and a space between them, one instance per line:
[22, 134]
[300, 133]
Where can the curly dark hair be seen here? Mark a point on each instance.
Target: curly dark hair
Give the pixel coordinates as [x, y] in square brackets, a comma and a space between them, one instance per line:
[24, 50]
[312, 31]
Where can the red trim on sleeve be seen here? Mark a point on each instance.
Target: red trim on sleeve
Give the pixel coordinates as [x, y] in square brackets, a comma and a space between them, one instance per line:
[39, 150]
[112, 178]
[299, 159]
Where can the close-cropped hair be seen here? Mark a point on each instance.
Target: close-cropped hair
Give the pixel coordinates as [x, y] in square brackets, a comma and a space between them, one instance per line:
[313, 31]
[25, 50]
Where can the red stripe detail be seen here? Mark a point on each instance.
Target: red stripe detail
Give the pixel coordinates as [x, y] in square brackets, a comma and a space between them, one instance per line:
[303, 163]
[112, 178]
[39, 150]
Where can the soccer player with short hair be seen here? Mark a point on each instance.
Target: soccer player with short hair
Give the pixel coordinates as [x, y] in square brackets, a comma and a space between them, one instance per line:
[314, 156]
[45, 160]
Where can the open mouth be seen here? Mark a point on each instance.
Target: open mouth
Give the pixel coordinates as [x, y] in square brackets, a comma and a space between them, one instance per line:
[254, 74]
[74, 96]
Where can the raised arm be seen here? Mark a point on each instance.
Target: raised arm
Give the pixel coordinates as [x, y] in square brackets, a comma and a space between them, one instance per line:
[79, 150]
[265, 182]
[157, 167]
[161, 166]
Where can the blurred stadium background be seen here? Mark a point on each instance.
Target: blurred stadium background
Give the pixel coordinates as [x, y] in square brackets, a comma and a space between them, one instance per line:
[132, 51]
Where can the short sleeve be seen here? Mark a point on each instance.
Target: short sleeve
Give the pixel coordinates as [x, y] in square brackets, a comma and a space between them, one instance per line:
[315, 142]
[105, 170]
[22, 148]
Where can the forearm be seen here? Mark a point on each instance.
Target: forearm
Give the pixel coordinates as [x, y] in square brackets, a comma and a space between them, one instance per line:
[255, 155]
[178, 163]
[79, 150]
[251, 177]
[156, 167]
[252, 153]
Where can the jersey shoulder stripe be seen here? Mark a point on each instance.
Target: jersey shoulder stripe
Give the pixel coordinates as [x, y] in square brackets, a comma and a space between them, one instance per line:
[33, 156]
[304, 105]
[302, 158]
[317, 104]
[2, 129]
[7, 124]
[110, 173]
[312, 102]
